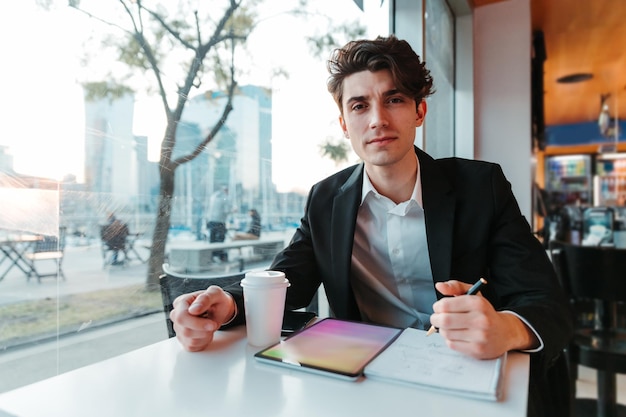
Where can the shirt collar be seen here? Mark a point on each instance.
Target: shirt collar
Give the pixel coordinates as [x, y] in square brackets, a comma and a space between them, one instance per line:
[416, 196]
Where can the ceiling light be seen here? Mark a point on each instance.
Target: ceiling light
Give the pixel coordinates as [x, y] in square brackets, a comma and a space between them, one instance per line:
[574, 78]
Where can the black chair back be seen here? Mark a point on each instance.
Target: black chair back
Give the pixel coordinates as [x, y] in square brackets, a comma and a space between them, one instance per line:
[595, 280]
[173, 284]
[594, 272]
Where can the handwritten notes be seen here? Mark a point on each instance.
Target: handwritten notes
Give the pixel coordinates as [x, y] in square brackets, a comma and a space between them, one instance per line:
[416, 359]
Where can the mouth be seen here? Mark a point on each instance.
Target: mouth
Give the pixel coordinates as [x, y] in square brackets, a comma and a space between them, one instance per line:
[383, 140]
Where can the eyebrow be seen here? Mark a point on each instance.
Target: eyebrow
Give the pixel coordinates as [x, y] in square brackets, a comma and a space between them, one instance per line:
[388, 93]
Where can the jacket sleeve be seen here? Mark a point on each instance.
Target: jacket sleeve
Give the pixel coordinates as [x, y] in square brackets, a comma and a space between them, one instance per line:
[524, 277]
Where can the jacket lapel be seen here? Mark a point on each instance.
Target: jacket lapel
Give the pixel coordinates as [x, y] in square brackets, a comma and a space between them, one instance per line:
[343, 222]
[439, 203]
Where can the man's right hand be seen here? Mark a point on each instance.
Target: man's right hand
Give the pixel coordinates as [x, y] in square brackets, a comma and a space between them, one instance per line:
[196, 316]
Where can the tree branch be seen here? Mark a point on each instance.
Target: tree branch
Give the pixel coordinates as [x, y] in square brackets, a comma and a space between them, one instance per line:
[198, 33]
[130, 15]
[99, 19]
[147, 50]
[169, 29]
[220, 123]
[169, 141]
[215, 39]
[201, 52]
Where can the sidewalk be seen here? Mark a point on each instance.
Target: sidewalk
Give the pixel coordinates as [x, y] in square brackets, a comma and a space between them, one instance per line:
[83, 268]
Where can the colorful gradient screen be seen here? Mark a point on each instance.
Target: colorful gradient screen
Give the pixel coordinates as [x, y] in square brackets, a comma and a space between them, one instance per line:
[332, 345]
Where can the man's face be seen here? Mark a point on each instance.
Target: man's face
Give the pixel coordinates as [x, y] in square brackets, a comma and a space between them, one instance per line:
[379, 120]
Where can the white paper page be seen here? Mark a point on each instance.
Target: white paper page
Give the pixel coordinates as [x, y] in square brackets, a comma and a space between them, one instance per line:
[415, 358]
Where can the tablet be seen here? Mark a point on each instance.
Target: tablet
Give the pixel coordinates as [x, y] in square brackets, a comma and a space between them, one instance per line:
[331, 347]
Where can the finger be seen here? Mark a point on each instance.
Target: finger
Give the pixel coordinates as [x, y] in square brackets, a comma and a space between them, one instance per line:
[201, 303]
[182, 319]
[469, 320]
[185, 300]
[195, 344]
[452, 287]
[191, 337]
[467, 347]
[206, 301]
[187, 332]
[449, 321]
[459, 304]
[200, 324]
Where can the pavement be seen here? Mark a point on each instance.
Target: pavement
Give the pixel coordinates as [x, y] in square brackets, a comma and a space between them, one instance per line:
[84, 272]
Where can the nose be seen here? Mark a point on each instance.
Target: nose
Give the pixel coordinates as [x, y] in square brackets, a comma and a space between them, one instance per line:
[379, 117]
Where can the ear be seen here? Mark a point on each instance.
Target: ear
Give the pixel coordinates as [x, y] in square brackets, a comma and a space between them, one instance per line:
[342, 123]
[420, 114]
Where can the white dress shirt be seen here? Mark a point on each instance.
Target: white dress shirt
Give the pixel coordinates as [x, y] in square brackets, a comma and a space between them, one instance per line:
[392, 277]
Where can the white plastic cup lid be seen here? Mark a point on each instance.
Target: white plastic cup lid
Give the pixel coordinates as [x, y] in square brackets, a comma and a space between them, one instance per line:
[264, 278]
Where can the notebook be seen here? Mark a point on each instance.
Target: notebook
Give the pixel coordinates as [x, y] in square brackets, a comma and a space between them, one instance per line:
[350, 350]
[426, 361]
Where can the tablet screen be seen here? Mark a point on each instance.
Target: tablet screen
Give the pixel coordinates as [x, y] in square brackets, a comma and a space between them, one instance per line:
[341, 348]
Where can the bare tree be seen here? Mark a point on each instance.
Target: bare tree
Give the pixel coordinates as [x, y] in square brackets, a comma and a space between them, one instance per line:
[203, 45]
[336, 150]
[149, 36]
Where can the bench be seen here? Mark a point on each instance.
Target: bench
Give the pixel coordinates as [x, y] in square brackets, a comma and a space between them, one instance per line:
[197, 256]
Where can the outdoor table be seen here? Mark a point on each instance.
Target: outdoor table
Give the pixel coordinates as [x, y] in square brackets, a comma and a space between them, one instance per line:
[13, 248]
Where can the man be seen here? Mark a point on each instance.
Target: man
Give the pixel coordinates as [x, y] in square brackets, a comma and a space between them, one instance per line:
[254, 229]
[114, 235]
[390, 237]
[219, 208]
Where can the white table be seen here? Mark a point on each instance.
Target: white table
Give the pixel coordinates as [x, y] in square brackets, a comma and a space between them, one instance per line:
[164, 380]
[196, 256]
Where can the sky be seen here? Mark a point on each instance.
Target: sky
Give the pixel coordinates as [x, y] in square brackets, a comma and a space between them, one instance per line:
[43, 112]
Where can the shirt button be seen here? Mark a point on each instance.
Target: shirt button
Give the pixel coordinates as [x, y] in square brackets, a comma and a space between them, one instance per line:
[396, 251]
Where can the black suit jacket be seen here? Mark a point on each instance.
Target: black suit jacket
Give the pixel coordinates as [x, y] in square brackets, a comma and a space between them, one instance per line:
[474, 229]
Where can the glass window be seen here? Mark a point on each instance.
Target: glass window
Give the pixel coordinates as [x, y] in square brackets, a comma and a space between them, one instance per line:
[79, 175]
[439, 58]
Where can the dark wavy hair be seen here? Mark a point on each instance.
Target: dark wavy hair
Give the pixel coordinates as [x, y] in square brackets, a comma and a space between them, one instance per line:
[409, 73]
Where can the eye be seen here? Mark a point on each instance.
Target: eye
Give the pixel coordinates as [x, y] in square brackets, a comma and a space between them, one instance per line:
[358, 106]
[396, 100]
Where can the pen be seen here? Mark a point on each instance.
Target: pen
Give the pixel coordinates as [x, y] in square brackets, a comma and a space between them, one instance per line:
[473, 290]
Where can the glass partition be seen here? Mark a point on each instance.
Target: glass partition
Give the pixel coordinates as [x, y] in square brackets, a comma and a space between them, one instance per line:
[439, 58]
[80, 177]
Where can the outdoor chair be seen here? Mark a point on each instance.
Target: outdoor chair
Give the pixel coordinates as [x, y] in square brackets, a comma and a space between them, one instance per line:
[48, 248]
[594, 278]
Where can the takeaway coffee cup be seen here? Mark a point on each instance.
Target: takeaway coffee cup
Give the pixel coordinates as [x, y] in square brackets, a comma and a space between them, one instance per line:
[264, 300]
